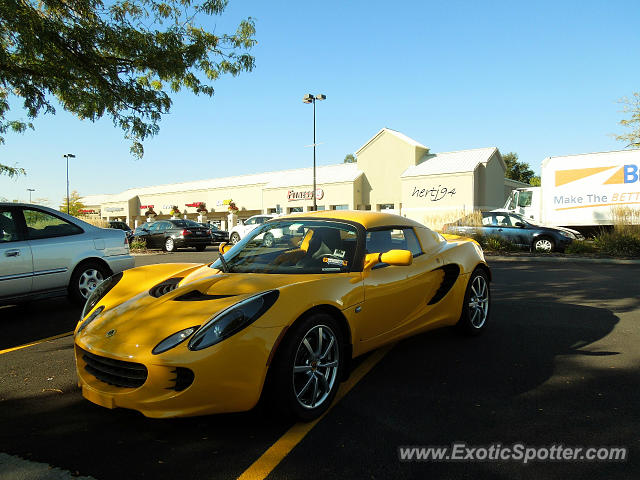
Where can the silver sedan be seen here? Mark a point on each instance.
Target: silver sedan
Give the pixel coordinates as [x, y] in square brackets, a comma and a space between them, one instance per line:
[45, 253]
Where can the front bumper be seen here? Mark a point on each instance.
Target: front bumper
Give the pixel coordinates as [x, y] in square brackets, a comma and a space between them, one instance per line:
[227, 377]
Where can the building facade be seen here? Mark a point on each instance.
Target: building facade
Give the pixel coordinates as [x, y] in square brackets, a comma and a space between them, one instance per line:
[393, 173]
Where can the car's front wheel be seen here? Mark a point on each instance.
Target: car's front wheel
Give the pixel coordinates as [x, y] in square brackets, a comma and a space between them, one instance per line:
[84, 280]
[269, 241]
[543, 244]
[235, 237]
[307, 369]
[477, 302]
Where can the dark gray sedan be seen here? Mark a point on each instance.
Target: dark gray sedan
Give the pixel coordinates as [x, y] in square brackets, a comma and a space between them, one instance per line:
[516, 229]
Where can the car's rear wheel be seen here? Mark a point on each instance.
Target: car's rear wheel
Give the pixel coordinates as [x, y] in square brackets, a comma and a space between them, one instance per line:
[307, 369]
[268, 240]
[84, 280]
[235, 237]
[169, 245]
[477, 303]
[543, 244]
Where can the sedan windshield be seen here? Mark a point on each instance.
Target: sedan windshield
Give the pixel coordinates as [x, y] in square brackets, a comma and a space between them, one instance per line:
[294, 246]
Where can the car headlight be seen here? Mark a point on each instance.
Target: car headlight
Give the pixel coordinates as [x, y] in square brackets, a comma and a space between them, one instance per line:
[100, 291]
[173, 340]
[232, 320]
[568, 235]
[90, 319]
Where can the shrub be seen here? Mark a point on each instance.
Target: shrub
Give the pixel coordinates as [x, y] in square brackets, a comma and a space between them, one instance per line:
[138, 244]
[619, 244]
[493, 243]
[626, 220]
[578, 247]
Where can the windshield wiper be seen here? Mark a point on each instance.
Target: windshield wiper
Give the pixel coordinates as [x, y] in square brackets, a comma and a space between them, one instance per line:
[225, 265]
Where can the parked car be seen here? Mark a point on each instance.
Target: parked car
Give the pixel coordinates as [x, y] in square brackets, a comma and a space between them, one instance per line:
[217, 235]
[241, 230]
[170, 235]
[45, 253]
[122, 226]
[173, 340]
[515, 228]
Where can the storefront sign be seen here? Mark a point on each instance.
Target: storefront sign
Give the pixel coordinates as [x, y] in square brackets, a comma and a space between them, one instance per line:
[146, 207]
[433, 194]
[221, 203]
[114, 209]
[87, 211]
[293, 195]
[194, 204]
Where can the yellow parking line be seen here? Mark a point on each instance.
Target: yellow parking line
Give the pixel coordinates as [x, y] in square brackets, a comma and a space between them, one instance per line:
[270, 459]
[35, 343]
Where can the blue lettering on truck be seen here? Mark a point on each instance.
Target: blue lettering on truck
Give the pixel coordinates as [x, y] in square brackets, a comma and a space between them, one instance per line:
[630, 173]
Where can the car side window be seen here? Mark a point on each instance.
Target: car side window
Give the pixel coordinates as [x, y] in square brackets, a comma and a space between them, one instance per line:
[503, 220]
[44, 225]
[154, 227]
[488, 220]
[251, 221]
[8, 227]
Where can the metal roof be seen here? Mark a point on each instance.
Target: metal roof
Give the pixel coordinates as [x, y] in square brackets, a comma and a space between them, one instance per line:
[450, 162]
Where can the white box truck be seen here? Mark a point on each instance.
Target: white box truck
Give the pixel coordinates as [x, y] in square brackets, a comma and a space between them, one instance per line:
[580, 191]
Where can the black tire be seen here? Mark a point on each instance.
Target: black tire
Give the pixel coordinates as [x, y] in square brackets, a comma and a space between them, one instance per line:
[544, 244]
[235, 238]
[84, 279]
[477, 305]
[268, 240]
[169, 245]
[201, 248]
[286, 388]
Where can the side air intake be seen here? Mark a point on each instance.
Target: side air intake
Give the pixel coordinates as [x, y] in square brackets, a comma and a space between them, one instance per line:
[165, 287]
[451, 274]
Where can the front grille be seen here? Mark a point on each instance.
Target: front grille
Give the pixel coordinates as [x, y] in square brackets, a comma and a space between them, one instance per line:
[115, 372]
[184, 378]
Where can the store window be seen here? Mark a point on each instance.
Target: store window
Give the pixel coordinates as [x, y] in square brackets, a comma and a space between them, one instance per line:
[320, 207]
[339, 207]
[385, 206]
[295, 209]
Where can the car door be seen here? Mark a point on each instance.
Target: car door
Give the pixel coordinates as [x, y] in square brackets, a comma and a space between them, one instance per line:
[55, 243]
[155, 236]
[395, 296]
[16, 263]
[522, 234]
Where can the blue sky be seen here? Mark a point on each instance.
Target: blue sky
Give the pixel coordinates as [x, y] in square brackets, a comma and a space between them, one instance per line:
[536, 78]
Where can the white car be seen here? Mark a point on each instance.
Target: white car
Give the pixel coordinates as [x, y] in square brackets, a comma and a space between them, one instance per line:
[45, 253]
[240, 231]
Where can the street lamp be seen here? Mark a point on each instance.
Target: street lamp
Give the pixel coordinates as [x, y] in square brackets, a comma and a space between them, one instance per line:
[68, 156]
[308, 98]
[30, 190]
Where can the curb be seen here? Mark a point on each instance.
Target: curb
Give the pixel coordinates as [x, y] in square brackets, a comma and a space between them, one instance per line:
[601, 261]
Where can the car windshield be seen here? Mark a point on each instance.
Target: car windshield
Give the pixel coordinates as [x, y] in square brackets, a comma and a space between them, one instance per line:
[294, 246]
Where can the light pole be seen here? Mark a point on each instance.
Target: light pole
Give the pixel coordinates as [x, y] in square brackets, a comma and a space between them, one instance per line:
[308, 98]
[30, 190]
[68, 156]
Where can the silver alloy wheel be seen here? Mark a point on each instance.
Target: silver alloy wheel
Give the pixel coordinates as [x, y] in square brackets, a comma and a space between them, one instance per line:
[88, 281]
[543, 245]
[315, 367]
[235, 238]
[269, 240]
[169, 245]
[479, 301]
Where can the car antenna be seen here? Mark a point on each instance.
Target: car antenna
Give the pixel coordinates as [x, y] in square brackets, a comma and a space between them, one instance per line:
[225, 265]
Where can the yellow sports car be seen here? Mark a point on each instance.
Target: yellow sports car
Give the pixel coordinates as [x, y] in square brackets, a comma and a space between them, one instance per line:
[282, 313]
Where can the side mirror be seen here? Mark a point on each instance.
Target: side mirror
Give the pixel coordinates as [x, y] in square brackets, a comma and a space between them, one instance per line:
[399, 258]
[519, 225]
[224, 247]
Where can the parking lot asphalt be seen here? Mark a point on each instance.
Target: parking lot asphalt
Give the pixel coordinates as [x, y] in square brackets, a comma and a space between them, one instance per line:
[559, 364]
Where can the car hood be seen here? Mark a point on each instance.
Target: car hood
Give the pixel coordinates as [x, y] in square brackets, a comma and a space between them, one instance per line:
[141, 314]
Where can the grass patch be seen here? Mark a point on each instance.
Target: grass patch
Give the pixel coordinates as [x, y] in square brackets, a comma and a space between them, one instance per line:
[618, 244]
[580, 247]
[138, 245]
[493, 243]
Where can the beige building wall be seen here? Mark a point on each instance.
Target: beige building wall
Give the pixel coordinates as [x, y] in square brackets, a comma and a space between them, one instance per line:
[383, 159]
[489, 184]
[437, 199]
[333, 194]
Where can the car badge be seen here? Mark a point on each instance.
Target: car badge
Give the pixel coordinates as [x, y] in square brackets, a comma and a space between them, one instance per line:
[111, 333]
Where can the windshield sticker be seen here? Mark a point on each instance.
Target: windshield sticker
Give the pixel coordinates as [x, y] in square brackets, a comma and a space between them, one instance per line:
[339, 253]
[330, 269]
[335, 261]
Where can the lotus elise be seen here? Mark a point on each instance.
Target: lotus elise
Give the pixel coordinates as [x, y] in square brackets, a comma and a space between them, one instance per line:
[281, 319]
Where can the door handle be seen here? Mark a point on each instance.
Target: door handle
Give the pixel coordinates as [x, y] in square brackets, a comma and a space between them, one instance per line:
[12, 253]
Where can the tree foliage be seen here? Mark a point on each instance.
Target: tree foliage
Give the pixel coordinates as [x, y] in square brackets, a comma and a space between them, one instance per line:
[632, 107]
[350, 158]
[75, 205]
[11, 171]
[517, 170]
[119, 58]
